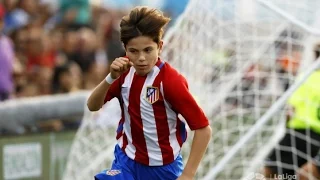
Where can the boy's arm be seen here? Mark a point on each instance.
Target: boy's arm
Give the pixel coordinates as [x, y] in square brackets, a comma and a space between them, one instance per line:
[97, 97]
[199, 145]
[109, 87]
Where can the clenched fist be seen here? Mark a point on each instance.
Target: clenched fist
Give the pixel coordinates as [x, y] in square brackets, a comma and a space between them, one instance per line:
[119, 66]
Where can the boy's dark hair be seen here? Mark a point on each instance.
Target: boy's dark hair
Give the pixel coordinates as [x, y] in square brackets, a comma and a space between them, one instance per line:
[143, 21]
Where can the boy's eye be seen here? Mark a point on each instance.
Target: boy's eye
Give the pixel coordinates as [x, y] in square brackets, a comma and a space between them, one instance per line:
[148, 50]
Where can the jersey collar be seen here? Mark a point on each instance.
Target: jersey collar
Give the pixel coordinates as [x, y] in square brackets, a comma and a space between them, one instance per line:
[159, 63]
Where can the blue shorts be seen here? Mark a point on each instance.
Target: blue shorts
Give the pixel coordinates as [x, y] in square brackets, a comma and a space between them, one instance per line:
[124, 168]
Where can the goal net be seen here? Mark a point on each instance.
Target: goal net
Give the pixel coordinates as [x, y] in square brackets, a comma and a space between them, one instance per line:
[239, 57]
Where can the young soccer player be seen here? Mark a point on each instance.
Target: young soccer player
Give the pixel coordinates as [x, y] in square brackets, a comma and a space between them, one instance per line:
[151, 94]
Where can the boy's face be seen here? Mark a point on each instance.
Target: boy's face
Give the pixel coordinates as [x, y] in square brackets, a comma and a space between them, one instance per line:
[143, 52]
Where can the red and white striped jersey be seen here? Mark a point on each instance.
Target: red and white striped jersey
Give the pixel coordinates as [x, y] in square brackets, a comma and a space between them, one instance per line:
[150, 131]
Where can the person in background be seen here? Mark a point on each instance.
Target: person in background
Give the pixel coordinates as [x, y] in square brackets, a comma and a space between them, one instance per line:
[66, 78]
[302, 138]
[311, 169]
[6, 61]
[75, 13]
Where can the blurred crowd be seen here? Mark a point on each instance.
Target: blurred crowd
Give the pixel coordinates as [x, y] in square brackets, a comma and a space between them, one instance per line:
[49, 47]
[61, 47]
[45, 51]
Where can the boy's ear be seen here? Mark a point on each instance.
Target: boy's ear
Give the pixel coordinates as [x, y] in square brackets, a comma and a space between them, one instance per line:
[160, 45]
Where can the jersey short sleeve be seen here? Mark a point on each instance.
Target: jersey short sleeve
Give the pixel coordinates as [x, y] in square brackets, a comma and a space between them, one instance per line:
[177, 93]
[114, 90]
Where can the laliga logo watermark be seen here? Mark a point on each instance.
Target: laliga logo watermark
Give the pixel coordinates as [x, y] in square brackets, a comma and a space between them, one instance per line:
[254, 176]
[258, 176]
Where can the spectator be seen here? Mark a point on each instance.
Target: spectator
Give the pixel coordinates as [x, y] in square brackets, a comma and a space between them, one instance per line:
[67, 78]
[16, 17]
[75, 13]
[6, 61]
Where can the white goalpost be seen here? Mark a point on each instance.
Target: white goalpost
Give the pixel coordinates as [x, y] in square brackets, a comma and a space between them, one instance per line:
[241, 59]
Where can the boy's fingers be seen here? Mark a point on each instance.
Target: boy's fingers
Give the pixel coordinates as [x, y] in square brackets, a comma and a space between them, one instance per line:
[124, 62]
[124, 59]
[118, 64]
[121, 64]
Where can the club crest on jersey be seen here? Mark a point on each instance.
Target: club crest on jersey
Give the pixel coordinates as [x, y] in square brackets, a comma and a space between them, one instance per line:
[113, 172]
[152, 94]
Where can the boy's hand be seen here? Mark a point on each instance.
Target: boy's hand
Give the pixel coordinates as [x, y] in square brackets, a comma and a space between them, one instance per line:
[119, 66]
